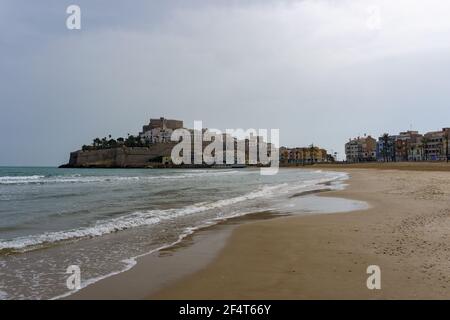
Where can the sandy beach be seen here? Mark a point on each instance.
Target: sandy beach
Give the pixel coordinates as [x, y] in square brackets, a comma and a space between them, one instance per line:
[405, 232]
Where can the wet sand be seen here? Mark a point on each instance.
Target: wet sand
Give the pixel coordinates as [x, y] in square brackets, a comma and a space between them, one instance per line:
[157, 270]
[406, 232]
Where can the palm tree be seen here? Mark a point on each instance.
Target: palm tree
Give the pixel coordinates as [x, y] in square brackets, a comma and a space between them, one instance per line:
[413, 154]
[112, 143]
[406, 150]
[96, 142]
[104, 143]
[312, 153]
[446, 137]
[423, 146]
[385, 139]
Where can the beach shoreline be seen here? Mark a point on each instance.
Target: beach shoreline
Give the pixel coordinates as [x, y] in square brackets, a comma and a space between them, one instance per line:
[156, 270]
[326, 256]
[104, 221]
[310, 256]
[198, 248]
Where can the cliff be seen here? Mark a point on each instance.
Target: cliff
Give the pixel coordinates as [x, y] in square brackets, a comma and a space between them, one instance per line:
[121, 157]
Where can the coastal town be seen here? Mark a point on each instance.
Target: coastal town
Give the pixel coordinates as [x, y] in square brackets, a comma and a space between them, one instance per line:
[152, 147]
[403, 147]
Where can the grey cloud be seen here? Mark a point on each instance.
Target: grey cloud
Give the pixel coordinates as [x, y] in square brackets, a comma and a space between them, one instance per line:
[310, 68]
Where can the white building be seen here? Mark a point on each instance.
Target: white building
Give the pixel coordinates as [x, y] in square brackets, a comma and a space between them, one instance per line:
[159, 130]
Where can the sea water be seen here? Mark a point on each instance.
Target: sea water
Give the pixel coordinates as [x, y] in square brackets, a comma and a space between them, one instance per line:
[101, 219]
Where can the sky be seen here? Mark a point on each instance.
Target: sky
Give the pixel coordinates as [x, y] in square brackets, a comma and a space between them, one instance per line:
[321, 71]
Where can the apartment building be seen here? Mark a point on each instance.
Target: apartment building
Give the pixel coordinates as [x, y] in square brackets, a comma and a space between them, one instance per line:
[361, 149]
[413, 146]
[436, 145]
[304, 155]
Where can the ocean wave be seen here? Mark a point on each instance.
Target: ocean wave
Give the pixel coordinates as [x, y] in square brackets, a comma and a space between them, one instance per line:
[308, 185]
[20, 179]
[39, 179]
[131, 262]
[150, 217]
[136, 219]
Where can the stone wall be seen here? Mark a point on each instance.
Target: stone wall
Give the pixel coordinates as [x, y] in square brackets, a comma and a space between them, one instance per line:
[122, 157]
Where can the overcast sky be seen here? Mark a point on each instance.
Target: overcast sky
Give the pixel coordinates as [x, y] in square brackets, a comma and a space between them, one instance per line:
[320, 71]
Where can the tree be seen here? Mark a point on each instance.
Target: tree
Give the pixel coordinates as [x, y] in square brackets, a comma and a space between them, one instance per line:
[133, 141]
[413, 154]
[112, 143]
[120, 140]
[104, 143]
[385, 139]
[96, 143]
[423, 146]
[312, 153]
[446, 137]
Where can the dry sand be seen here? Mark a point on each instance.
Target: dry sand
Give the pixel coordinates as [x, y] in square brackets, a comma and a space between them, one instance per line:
[406, 232]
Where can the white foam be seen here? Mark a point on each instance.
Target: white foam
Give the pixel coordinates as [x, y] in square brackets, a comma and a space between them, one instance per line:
[39, 179]
[265, 191]
[136, 219]
[131, 262]
[20, 179]
[151, 217]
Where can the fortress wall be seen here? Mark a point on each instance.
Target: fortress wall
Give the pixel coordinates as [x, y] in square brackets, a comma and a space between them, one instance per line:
[119, 157]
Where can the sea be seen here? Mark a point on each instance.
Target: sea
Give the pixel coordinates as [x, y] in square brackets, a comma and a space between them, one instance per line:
[101, 220]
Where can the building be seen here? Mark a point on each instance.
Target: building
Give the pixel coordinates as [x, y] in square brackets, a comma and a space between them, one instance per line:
[304, 155]
[413, 146]
[385, 150]
[406, 146]
[159, 130]
[361, 149]
[446, 137]
[436, 145]
[403, 143]
[163, 123]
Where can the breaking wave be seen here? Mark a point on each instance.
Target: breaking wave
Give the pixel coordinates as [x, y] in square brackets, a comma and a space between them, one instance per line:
[136, 219]
[77, 178]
